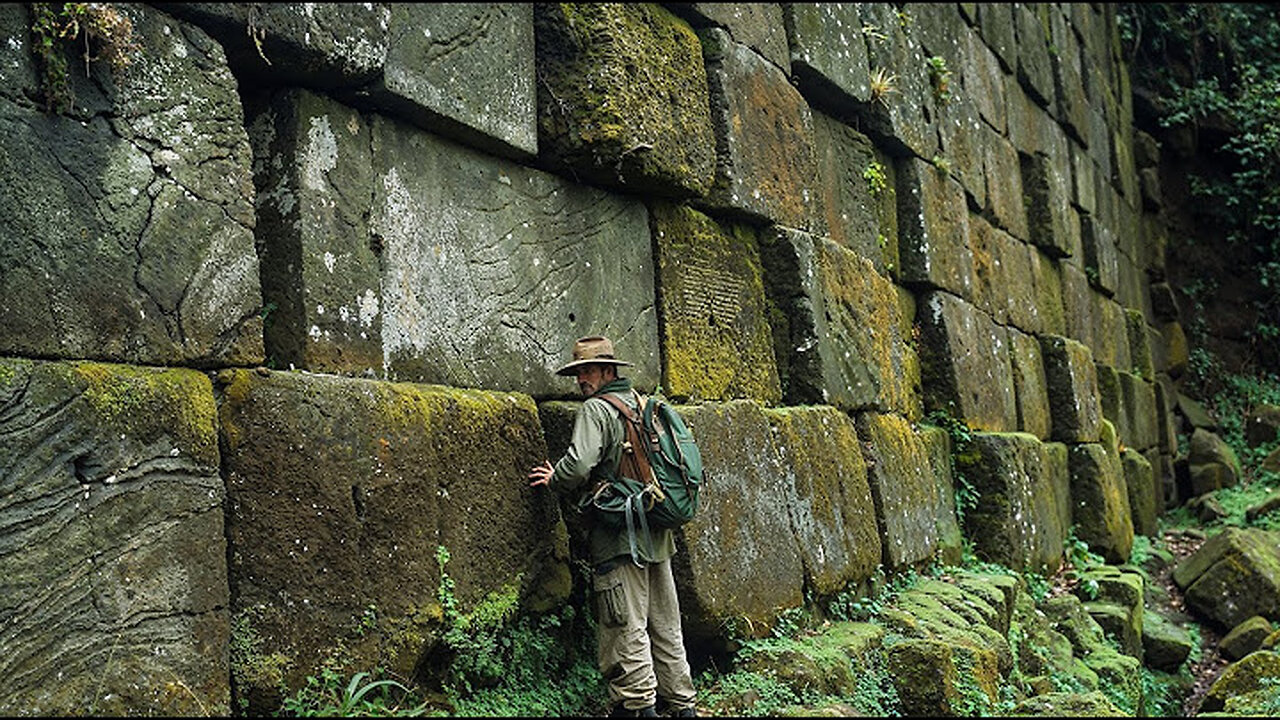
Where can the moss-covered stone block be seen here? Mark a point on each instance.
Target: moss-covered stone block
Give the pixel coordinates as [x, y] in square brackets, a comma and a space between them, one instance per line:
[1110, 335]
[1146, 501]
[834, 518]
[934, 678]
[1101, 262]
[1165, 644]
[1139, 344]
[846, 344]
[1072, 383]
[1100, 500]
[1111, 397]
[1030, 386]
[1243, 564]
[859, 193]
[1212, 462]
[914, 510]
[340, 491]
[1050, 311]
[1245, 637]
[715, 332]
[739, 561]
[624, 97]
[1015, 518]
[1121, 623]
[965, 363]
[1068, 704]
[113, 563]
[766, 166]
[1244, 676]
[933, 240]
[1139, 397]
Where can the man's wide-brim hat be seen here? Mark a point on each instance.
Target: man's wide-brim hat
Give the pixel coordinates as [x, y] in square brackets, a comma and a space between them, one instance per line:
[595, 350]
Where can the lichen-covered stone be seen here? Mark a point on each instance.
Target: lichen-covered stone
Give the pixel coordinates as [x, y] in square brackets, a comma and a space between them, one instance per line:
[319, 267]
[491, 270]
[1139, 344]
[1046, 192]
[1072, 383]
[859, 193]
[1111, 398]
[1244, 676]
[624, 95]
[1067, 704]
[1212, 462]
[834, 518]
[829, 53]
[912, 507]
[844, 343]
[766, 166]
[1049, 314]
[1145, 497]
[965, 363]
[1101, 264]
[1100, 499]
[1245, 637]
[716, 336]
[933, 230]
[1139, 398]
[340, 491]
[1165, 645]
[902, 113]
[739, 561]
[113, 575]
[1121, 624]
[960, 133]
[1110, 335]
[1233, 576]
[126, 225]
[933, 678]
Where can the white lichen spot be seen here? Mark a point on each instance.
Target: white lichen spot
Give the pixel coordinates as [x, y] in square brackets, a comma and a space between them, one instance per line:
[320, 154]
[319, 309]
[367, 308]
[329, 261]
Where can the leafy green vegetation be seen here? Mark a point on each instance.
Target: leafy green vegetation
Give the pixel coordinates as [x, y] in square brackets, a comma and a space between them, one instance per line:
[361, 696]
[1215, 67]
[100, 29]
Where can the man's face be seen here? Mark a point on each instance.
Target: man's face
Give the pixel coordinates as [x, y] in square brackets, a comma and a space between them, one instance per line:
[590, 379]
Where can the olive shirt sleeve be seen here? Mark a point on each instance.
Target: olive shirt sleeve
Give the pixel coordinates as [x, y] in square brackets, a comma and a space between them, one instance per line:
[593, 436]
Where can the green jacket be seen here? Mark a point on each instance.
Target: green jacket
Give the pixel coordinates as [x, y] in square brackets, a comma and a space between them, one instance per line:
[592, 456]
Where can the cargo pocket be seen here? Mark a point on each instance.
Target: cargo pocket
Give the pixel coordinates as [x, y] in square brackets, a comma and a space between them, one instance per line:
[610, 602]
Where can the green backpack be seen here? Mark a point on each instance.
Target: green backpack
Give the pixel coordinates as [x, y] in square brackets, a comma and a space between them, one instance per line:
[659, 486]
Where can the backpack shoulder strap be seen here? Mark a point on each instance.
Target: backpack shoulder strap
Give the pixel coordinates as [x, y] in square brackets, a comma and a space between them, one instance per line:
[621, 406]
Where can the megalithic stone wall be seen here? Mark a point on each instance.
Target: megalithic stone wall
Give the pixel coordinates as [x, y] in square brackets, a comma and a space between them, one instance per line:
[327, 257]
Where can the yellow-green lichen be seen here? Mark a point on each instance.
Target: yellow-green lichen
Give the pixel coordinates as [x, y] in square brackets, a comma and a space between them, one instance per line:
[148, 402]
[251, 668]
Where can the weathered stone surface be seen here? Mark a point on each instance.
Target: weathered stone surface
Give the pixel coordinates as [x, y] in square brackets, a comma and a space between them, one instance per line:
[844, 344]
[1212, 462]
[859, 193]
[1239, 678]
[990, 290]
[1046, 193]
[113, 579]
[960, 134]
[997, 28]
[328, 46]
[1118, 622]
[1101, 261]
[624, 100]
[715, 333]
[739, 558]
[1140, 407]
[766, 166]
[937, 444]
[1016, 517]
[829, 53]
[933, 232]
[1146, 499]
[834, 518]
[1111, 396]
[760, 26]
[984, 80]
[1139, 344]
[339, 493]
[320, 275]
[902, 111]
[1175, 350]
[1165, 645]
[1072, 383]
[1050, 314]
[1245, 637]
[1262, 425]
[1068, 76]
[126, 225]
[1003, 172]
[1233, 576]
[1110, 336]
[927, 675]
[1100, 500]
[913, 510]
[1035, 62]
[965, 364]
[1077, 304]
[1059, 703]
[490, 270]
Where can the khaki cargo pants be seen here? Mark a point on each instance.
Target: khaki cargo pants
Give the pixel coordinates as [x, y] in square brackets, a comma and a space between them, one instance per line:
[641, 648]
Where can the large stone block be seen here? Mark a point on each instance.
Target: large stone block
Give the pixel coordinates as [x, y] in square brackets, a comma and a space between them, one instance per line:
[624, 97]
[1101, 261]
[829, 54]
[717, 343]
[902, 112]
[1003, 173]
[1016, 515]
[1077, 304]
[833, 518]
[487, 271]
[1030, 386]
[984, 79]
[965, 367]
[1146, 498]
[760, 26]
[1139, 397]
[844, 343]
[339, 493]
[1240, 564]
[1046, 193]
[1100, 499]
[766, 165]
[914, 511]
[739, 558]
[1072, 105]
[933, 232]
[961, 138]
[113, 565]
[126, 225]
[1048, 311]
[1035, 61]
[859, 193]
[1139, 344]
[1110, 334]
[1072, 382]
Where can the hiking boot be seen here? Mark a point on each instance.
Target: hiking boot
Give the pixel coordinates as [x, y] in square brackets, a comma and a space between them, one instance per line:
[685, 712]
[621, 710]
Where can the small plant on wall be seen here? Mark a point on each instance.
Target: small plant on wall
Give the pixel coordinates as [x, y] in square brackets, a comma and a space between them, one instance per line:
[104, 33]
[882, 85]
[940, 78]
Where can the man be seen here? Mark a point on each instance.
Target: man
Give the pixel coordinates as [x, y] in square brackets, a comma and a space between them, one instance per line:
[640, 646]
